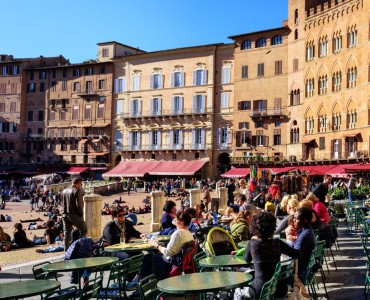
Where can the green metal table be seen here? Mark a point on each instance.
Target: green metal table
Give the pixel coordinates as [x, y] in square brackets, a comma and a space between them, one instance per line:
[136, 245]
[79, 264]
[203, 282]
[27, 288]
[222, 261]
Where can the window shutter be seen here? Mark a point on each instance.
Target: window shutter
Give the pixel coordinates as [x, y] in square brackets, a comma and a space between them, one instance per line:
[116, 85]
[340, 149]
[194, 104]
[131, 107]
[173, 111]
[161, 80]
[203, 136]
[203, 103]
[228, 135]
[193, 138]
[204, 77]
[138, 107]
[238, 138]
[130, 139]
[346, 148]
[182, 79]
[304, 151]
[172, 79]
[180, 137]
[194, 77]
[171, 138]
[264, 104]
[180, 104]
[240, 105]
[332, 149]
[265, 141]
[159, 138]
[150, 135]
[151, 81]
[254, 140]
[160, 106]
[218, 135]
[138, 139]
[151, 106]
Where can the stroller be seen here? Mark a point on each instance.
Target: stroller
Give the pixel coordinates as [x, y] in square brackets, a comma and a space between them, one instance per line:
[219, 242]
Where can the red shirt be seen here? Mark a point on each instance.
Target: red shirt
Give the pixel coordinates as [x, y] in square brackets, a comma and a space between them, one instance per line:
[322, 211]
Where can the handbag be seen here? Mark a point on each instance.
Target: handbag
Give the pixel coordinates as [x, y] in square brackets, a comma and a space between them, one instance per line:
[299, 290]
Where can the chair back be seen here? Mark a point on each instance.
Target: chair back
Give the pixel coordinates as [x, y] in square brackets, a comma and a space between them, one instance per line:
[91, 288]
[185, 260]
[148, 288]
[219, 242]
[364, 241]
[68, 293]
[135, 263]
[39, 273]
[319, 251]
[197, 257]
[116, 280]
[269, 287]
[287, 269]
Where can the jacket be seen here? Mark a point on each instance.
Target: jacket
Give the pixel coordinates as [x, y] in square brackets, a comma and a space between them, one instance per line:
[72, 201]
[112, 232]
[240, 231]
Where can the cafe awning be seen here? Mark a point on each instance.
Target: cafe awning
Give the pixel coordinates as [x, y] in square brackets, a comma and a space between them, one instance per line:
[282, 170]
[236, 173]
[317, 170]
[180, 168]
[76, 170]
[339, 170]
[131, 169]
[358, 168]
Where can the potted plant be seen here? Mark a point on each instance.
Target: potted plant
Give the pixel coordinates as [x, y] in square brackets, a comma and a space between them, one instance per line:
[339, 209]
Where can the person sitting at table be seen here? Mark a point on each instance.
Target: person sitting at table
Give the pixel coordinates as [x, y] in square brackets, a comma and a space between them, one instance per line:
[281, 208]
[264, 251]
[241, 200]
[20, 239]
[316, 222]
[239, 227]
[229, 213]
[292, 207]
[194, 224]
[169, 211]
[118, 227]
[269, 206]
[168, 256]
[319, 208]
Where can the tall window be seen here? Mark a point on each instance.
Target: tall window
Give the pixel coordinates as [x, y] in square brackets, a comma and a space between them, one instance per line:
[277, 136]
[223, 137]
[105, 52]
[76, 87]
[226, 73]
[176, 105]
[337, 43]
[295, 97]
[135, 108]
[177, 79]
[136, 82]
[294, 136]
[337, 81]
[323, 46]
[244, 105]
[156, 81]
[199, 77]
[87, 114]
[277, 40]
[260, 138]
[296, 17]
[310, 85]
[337, 121]
[310, 124]
[154, 139]
[64, 85]
[198, 138]
[134, 140]
[176, 138]
[352, 77]
[352, 37]
[351, 118]
[247, 44]
[261, 42]
[155, 106]
[100, 114]
[199, 103]
[245, 137]
[101, 84]
[261, 70]
[119, 85]
[323, 84]
[244, 71]
[310, 51]
[323, 123]
[75, 112]
[278, 67]
[225, 100]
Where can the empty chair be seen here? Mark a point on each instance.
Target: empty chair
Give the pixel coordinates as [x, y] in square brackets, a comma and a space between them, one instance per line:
[116, 281]
[134, 267]
[148, 288]
[91, 288]
[39, 273]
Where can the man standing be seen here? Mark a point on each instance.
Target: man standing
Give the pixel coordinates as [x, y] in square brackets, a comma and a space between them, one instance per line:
[73, 211]
[351, 185]
[305, 242]
[230, 191]
[322, 189]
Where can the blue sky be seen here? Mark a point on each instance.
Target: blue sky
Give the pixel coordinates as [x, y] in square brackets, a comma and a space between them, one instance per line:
[73, 28]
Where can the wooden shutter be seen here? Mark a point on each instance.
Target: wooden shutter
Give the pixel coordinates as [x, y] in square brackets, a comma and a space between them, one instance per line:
[332, 149]
[340, 149]
[254, 140]
[240, 107]
[346, 148]
[304, 151]
[238, 138]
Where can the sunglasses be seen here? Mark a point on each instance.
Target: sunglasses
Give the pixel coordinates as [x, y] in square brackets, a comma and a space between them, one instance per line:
[120, 215]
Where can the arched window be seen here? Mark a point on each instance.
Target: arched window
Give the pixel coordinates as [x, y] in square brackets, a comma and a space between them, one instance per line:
[323, 46]
[276, 40]
[323, 84]
[351, 77]
[295, 97]
[310, 125]
[310, 87]
[352, 36]
[351, 118]
[337, 42]
[310, 51]
[296, 16]
[247, 44]
[337, 121]
[261, 42]
[337, 81]
[322, 123]
[294, 136]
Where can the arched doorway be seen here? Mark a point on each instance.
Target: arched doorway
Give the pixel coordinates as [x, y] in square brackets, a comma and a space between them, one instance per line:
[223, 164]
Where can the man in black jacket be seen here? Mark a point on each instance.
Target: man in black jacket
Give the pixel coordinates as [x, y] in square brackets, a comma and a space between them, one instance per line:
[120, 227]
[73, 211]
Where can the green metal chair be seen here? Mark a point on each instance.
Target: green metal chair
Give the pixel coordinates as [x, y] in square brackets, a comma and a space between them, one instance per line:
[116, 282]
[91, 288]
[287, 273]
[269, 287]
[39, 273]
[134, 267]
[319, 254]
[197, 257]
[148, 288]
[68, 293]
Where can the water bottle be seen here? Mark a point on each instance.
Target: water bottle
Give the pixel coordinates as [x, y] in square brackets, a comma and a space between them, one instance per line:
[215, 218]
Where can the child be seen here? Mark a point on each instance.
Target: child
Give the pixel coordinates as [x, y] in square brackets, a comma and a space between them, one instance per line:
[291, 232]
[269, 206]
[229, 214]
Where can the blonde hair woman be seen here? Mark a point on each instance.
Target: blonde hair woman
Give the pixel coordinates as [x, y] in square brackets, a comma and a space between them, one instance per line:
[281, 210]
[292, 207]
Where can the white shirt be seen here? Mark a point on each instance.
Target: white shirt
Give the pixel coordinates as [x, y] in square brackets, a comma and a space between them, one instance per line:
[178, 239]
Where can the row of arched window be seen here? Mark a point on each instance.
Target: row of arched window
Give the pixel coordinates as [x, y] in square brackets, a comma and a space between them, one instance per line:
[261, 42]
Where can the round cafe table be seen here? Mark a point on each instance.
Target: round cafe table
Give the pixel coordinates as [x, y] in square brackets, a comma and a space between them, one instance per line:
[221, 261]
[26, 288]
[132, 246]
[203, 282]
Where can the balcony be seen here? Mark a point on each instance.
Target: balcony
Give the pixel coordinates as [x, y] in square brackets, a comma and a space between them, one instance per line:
[33, 136]
[89, 93]
[165, 113]
[268, 112]
[163, 147]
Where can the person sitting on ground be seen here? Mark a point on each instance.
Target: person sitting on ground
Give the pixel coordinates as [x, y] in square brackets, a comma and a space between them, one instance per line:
[269, 206]
[20, 239]
[169, 211]
[50, 235]
[119, 228]
[264, 251]
[5, 240]
[167, 256]
[239, 227]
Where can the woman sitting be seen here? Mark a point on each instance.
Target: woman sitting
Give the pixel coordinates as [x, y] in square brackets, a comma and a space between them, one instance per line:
[166, 258]
[5, 240]
[239, 227]
[264, 251]
[20, 239]
[169, 211]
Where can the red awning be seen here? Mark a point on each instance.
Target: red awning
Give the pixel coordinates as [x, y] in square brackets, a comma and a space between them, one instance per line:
[236, 173]
[131, 169]
[181, 168]
[282, 170]
[98, 168]
[358, 168]
[317, 170]
[76, 170]
[339, 170]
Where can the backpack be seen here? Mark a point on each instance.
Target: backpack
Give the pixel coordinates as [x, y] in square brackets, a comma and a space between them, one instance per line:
[81, 248]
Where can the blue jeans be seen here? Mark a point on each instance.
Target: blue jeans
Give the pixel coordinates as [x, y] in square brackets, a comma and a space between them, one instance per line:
[351, 197]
